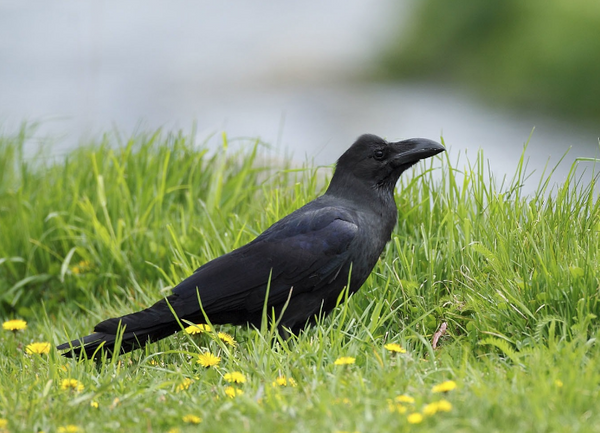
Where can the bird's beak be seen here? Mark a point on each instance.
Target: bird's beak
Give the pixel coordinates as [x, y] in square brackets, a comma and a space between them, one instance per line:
[413, 150]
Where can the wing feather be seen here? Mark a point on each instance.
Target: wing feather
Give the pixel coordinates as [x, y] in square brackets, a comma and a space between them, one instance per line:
[303, 251]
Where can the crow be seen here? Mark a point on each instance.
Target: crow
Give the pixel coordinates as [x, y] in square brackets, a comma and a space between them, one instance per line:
[297, 268]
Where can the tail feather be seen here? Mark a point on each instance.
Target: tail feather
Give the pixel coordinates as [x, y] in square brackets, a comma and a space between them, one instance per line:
[138, 329]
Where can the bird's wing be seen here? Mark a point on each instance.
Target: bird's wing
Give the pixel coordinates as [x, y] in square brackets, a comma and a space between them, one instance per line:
[304, 250]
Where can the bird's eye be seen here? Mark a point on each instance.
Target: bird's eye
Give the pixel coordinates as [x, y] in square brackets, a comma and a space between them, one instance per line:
[378, 154]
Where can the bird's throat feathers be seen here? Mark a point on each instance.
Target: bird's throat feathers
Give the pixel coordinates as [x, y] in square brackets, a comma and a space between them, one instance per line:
[348, 185]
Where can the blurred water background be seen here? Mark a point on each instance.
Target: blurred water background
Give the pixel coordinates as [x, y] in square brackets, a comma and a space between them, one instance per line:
[309, 77]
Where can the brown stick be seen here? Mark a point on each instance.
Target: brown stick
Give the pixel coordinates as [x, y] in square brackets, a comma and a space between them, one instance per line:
[441, 331]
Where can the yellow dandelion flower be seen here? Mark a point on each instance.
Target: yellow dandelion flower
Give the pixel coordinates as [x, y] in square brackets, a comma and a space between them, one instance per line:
[94, 404]
[415, 418]
[14, 325]
[192, 419]
[446, 386]
[345, 360]
[235, 377]
[226, 338]
[173, 430]
[71, 428]
[72, 385]
[444, 406]
[232, 392]
[38, 348]
[430, 409]
[81, 267]
[280, 381]
[284, 381]
[3, 423]
[185, 384]
[197, 329]
[405, 399]
[395, 348]
[208, 360]
[395, 407]
[558, 383]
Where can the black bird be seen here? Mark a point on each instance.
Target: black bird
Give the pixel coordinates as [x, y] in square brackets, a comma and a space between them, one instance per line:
[305, 260]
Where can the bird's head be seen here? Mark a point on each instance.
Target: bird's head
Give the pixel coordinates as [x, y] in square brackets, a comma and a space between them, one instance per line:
[377, 163]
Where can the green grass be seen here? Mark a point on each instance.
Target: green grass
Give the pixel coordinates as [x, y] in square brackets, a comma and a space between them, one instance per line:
[109, 228]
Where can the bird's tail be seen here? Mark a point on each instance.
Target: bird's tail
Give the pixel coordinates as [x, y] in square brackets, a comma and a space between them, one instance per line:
[131, 331]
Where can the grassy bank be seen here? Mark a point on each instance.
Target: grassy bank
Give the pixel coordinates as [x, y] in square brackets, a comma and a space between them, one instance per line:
[109, 229]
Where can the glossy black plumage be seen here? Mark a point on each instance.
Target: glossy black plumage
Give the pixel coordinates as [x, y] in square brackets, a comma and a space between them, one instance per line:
[307, 256]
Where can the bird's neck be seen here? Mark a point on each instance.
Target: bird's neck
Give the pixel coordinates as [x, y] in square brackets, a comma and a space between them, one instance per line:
[378, 198]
